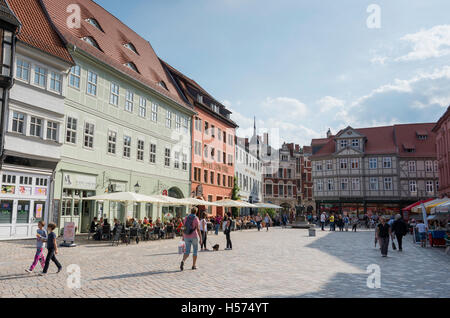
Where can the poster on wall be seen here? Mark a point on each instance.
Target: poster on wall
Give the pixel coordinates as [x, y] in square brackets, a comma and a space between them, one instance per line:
[40, 191]
[25, 190]
[8, 189]
[39, 211]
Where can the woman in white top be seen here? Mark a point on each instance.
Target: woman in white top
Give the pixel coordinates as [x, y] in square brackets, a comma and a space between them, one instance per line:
[204, 231]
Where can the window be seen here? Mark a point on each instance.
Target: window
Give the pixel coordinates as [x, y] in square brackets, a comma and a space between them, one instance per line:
[387, 163]
[211, 174]
[268, 189]
[75, 76]
[230, 140]
[168, 119]
[198, 124]
[176, 160]
[91, 41]
[40, 76]
[343, 143]
[355, 143]
[213, 131]
[343, 163]
[35, 127]
[154, 112]
[205, 176]
[129, 102]
[26, 180]
[185, 166]
[436, 168]
[89, 135]
[23, 70]
[92, 83]
[94, 23]
[219, 179]
[219, 134]
[127, 146]
[344, 184]
[413, 186]
[430, 187]
[177, 123]
[422, 137]
[152, 153]
[354, 163]
[412, 166]
[281, 190]
[52, 131]
[356, 184]
[142, 107]
[319, 166]
[18, 123]
[373, 184]
[71, 130]
[132, 66]
[112, 141]
[373, 163]
[140, 150]
[186, 125]
[197, 148]
[206, 128]
[131, 47]
[388, 184]
[55, 82]
[114, 96]
[213, 153]
[319, 185]
[428, 166]
[205, 151]
[230, 160]
[167, 157]
[329, 165]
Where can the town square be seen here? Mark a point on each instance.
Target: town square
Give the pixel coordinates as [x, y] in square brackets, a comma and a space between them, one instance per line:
[224, 149]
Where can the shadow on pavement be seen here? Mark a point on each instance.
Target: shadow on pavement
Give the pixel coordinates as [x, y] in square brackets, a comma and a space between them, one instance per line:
[137, 275]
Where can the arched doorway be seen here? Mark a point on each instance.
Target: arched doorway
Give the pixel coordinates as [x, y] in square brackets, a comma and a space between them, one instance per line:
[176, 211]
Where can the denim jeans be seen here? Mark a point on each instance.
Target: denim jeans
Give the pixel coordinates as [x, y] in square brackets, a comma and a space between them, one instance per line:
[191, 242]
[217, 229]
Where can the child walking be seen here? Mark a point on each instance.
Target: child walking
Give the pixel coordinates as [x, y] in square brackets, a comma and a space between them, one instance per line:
[52, 249]
[41, 236]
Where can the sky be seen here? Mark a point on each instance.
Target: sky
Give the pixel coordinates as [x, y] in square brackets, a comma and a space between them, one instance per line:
[302, 67]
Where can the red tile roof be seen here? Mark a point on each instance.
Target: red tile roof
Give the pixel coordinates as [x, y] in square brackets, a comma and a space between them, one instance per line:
[111, 41]
[442, 120]
[37, 30]
[388, 140]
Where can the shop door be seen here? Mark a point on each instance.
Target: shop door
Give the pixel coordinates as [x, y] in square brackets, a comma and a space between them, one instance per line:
[87, 216]
[6, 219]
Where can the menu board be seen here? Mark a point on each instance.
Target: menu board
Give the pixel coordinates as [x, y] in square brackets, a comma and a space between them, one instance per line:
[39, 210]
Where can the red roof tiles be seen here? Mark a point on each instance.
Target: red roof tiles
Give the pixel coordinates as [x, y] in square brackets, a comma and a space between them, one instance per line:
[37, 30]
[388, 140]
[111, 42]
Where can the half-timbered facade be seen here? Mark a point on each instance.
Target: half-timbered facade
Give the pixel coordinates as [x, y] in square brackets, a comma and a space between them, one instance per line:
[378, 169]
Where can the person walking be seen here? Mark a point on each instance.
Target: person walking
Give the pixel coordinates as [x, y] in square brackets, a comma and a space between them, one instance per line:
[399, 228]
[227, 226]
[52, 250]
[355, 222]
[218, 220]
[258, 222]
[323, 219]
[191, 237]
[422, 228]
[346, 222]
[340, 223]
[41, 236]
[204, 231]
[268, 221]
[383, 232]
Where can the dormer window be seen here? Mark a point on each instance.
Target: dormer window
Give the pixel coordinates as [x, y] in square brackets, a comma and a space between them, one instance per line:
[200, 98]
[94, 23]
[422, 135]
[163, 85]
[355, 143]
[409, 148]
[90, 40]
[215, 108]
[131, 47]
[344, 143]
[132, 66]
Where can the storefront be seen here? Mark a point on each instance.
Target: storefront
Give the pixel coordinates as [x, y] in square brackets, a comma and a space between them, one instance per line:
[24, 201]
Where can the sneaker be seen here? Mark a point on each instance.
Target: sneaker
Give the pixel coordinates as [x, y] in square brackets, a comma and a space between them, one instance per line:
[182, 266]
[194, 268]
[42, 274]
[59, 270]
[28, 271]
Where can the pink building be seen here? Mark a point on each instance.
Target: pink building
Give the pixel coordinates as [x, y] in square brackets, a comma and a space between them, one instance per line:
[442, 130]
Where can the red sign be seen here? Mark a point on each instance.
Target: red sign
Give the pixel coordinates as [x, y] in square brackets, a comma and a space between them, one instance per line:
[165, 193]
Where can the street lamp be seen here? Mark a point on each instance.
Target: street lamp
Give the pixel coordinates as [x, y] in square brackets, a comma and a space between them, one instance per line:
[137, 187]
[9, 27]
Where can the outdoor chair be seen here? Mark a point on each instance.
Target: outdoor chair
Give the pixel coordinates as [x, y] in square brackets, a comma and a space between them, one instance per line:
[134, 234]
[156, 233]
[117, 237]
[106, 232]
[91, 233]
[170, 233]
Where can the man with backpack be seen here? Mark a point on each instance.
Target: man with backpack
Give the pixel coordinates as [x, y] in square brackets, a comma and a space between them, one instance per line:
[191, 237]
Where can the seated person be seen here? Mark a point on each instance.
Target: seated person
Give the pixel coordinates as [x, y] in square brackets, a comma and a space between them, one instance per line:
[93, 226]
[145, 221]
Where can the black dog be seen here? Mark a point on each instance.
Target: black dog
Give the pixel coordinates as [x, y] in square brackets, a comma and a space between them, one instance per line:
[216, 247]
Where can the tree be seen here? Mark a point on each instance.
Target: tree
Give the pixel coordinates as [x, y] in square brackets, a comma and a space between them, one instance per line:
[235, 196]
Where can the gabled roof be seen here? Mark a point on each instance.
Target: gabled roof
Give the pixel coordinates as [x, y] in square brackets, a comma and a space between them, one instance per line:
[442, 120]
[37, 30]
[387, 140]
[183, 82]
[111, 38]
[7, 15]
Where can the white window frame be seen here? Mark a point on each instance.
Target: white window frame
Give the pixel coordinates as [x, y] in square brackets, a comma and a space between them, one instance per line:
[39, 74]
[373, 184]
[36, 123]
[75, 77]
[387, 163]
[413, 186]
[168, 119]
[112, 142]
[167, 154]
[114, 96]
[127, 147]
[71, 132]
[21, 122]
[56, 82]
[142, 107]
[388, 181]
[21, 68]
[89, 133]
[129, 101]
[152, 158]
[412, 166]
[140, 150]
[373, 163]
[92, 82]
[154, 112]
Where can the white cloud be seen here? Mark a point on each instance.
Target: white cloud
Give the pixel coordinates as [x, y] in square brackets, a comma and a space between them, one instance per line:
[280, 106]
[379, 60]
[328, 103]
[434, 42]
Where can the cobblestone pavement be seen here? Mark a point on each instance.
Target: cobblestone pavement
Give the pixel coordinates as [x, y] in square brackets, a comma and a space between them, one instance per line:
[278, 263]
